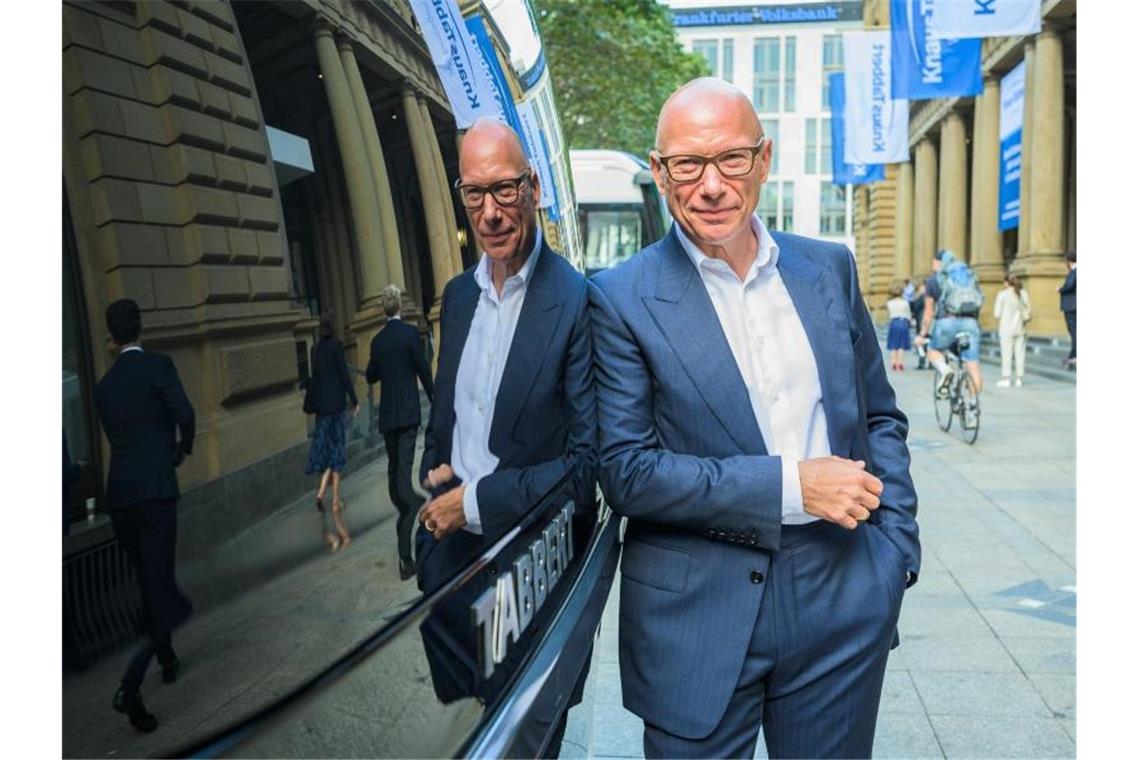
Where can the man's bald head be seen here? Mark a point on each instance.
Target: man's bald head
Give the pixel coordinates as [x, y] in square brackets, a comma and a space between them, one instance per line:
[705, 101]
[490, 141]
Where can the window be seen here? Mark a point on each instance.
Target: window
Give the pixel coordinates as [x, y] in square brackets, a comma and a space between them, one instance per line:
[825, 146]
[790, 74]
[776, 207]
[833, 209]
[772, 131]
[769, 208]
[708, 49]
[612, 236]
[719, 56]
[832, 63]
[811, 147]
[766, 74]
[787, 206]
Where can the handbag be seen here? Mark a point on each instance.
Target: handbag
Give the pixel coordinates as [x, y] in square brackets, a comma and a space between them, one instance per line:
[1024, 309]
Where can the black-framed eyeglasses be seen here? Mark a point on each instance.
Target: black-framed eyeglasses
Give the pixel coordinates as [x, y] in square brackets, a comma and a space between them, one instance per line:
[734, 162]
[506, 192]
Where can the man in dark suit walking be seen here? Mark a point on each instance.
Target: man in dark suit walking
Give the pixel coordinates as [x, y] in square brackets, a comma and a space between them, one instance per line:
[141, 403]
[395, 361]
[748, 432]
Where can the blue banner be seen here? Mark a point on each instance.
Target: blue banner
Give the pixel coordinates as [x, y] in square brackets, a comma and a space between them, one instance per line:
[844, 173]
[925, 68]
[495, 71]
[954, 19]
[1009, 130]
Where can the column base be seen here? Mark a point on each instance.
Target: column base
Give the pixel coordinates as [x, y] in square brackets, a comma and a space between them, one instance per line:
[1041, 275]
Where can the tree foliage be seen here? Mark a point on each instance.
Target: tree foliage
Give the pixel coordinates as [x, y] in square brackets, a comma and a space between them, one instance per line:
[613, 62]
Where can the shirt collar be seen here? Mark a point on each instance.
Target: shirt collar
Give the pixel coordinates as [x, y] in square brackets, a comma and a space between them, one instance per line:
[130, 348]
[767, 254]
[483, 271]
[395, 317]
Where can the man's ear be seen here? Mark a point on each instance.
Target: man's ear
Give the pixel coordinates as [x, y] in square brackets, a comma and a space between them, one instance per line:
[534, 183]
[658, 171]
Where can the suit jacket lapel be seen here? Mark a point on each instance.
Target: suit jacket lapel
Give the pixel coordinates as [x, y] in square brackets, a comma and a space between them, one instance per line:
[682, 309]
[538, 319]
[829, 334]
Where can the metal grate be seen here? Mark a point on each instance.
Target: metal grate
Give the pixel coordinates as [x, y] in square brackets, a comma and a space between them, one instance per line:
[102, 606]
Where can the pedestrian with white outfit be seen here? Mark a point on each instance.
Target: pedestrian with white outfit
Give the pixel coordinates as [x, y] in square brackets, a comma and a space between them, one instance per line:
[1012, 311]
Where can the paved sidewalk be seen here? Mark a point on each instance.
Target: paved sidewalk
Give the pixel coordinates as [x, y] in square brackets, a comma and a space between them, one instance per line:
[988, 657]
[254, 648]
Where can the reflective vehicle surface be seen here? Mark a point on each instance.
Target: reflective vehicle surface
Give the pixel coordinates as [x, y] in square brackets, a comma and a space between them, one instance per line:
[620, 210]
[487, 665]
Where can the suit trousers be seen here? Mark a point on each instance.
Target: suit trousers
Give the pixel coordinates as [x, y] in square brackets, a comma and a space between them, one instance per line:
[813, 672]
[401, 446]
[1071, 324]
[147, 532]
[1012, 352]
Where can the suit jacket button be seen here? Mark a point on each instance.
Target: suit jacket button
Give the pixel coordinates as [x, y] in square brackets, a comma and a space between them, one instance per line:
[757, 576]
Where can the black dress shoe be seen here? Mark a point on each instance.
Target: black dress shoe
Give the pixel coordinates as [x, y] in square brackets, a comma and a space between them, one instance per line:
[130, 702]
[407, 569]
[170, 670]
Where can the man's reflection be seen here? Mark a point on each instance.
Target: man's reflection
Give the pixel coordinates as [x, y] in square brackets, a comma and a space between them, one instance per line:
[513, 416]
[514, 406]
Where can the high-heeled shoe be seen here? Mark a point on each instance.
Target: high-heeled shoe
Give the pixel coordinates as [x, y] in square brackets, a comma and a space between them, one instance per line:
[130, 702]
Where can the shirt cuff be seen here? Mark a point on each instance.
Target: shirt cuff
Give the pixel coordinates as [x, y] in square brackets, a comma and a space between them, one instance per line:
[792, 497]
[471, 508]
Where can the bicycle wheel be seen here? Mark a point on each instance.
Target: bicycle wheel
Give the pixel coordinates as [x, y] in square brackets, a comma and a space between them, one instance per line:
[971, 410]
[943, 406]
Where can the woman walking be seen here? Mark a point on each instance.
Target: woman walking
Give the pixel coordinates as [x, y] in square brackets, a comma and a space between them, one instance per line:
[330, 386]
[898, 334]
[1011, 310]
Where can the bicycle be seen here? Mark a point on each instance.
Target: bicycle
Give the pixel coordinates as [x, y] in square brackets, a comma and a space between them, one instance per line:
[961, 398]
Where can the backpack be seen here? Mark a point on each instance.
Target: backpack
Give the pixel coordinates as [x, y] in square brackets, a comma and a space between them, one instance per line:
[959, 292]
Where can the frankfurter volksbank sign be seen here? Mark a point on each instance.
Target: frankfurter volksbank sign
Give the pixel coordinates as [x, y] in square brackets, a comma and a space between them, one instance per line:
[790, 13]
[503, 612]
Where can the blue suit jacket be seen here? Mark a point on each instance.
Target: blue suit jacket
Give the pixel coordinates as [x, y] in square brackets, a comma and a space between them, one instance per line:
[682, 457]
[544, 422]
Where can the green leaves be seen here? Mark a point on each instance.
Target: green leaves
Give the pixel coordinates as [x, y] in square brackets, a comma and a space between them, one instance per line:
[613, 62]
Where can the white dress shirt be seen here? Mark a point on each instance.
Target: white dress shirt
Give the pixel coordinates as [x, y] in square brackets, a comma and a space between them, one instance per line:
[480, 373]
[774, 357]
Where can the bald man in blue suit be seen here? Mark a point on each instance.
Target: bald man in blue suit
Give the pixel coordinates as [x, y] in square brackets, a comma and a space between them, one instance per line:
[748, 432]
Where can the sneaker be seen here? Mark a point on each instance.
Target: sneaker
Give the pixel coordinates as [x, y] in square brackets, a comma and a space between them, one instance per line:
[1004, 382]
[1017, 383]
[944, 381]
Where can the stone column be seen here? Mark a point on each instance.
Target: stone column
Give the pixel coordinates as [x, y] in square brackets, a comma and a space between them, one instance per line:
[1042, 266]
[385, 208]
[441, 264]
[904, 224]
[354, 160]
[1025, 224]
[952, 187]
[985, 237]
[925, 206]
[444, 188]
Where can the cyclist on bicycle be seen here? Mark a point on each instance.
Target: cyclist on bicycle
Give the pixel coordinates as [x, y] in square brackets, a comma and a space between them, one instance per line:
[953, 302]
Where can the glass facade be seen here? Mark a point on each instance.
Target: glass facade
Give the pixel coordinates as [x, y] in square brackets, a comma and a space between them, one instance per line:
[719, 56]
[811, 145]
[766, 74]
[825, 146]
[790, 74]
[833, 209]
[787, 206]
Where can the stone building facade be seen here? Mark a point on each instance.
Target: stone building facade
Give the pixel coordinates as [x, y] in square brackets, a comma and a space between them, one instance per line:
[178, 193]
[946, 196]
